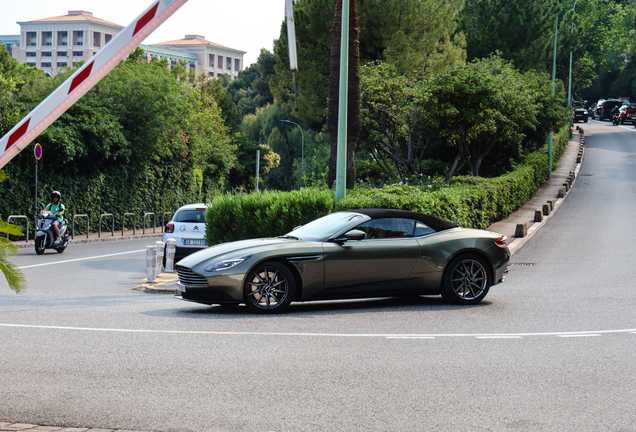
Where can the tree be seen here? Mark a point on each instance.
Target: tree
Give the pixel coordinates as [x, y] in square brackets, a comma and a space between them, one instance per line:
[393, 109]
[14, 276]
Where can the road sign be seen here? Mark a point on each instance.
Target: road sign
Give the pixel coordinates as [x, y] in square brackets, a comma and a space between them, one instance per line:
[37, 151]
[109, 56]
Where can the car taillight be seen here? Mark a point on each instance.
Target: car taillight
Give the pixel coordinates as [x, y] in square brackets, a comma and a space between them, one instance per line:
[501, 241]
[169, 228]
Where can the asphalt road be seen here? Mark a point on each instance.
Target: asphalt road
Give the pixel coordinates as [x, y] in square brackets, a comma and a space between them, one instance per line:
[551, 349]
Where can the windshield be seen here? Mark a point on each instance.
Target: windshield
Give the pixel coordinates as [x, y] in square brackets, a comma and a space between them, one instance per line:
[325, 227]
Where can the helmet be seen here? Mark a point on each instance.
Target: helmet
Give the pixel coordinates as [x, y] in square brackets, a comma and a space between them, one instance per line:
[56, 193]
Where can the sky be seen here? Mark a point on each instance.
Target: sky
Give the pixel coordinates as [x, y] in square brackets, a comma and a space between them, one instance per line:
[246, 25]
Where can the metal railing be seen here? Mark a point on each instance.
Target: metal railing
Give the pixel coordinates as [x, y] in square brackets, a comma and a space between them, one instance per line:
[20, 217]
[112, 230]
[154, 222]
[88, 225]
[163, 220]
[123, 222]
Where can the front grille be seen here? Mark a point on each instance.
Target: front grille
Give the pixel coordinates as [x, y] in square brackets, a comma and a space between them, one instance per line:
[189, 278]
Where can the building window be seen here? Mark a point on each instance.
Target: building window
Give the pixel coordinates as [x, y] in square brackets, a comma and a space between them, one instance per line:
[30, 54]
[61, 54]
[78, 54]
[237, 65]
[107, 38]
[62, 64]
[46, 65]
[46, 54]
[31, 64]
[229, 63]
[31, 38]
[220, 62]
[78, 38]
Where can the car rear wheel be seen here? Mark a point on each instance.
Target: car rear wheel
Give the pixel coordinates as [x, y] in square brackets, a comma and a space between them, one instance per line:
[466, 280]
[269, 288]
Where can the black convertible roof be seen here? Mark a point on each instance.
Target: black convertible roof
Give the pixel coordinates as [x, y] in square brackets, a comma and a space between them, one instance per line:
[436, 223]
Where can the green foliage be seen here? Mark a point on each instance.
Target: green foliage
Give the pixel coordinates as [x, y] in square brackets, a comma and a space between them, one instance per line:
[414, 35]
[14, 276]
[469, 201]
[143, 139]
[266, 214]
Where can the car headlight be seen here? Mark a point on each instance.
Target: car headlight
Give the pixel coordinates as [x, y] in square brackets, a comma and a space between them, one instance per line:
[226, 264]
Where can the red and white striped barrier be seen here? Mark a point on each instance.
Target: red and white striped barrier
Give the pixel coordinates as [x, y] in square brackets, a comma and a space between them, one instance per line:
[114, 52]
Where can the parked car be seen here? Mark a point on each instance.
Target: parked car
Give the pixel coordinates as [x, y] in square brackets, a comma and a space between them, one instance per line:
[348, 254]
[187, 227]
[628, 114]
[605, 107]
[580, 114]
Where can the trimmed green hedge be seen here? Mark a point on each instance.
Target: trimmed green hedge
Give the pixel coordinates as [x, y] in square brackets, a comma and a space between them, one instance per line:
[264, 214]
[469, 201]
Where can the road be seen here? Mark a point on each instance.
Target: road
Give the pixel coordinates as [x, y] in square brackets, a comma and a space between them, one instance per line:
[550, 349]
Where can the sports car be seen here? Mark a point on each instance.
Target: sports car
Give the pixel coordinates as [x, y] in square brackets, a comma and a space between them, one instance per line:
[348, 254]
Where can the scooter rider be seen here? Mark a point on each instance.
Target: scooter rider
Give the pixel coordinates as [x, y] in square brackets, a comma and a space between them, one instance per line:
[57, 208]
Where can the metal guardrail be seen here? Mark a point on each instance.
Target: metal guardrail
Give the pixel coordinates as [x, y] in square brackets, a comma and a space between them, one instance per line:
[123, 222]
[163, 220]
[154, 222]
[88, 225]
[20, 217]
[112, 231]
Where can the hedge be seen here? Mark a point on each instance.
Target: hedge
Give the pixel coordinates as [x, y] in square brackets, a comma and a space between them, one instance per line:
[474, 202]
[264, 214]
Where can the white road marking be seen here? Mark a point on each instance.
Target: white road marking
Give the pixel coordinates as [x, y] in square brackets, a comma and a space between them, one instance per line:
[411, 337]
[82, 259]
[499, 337]
[577, 335]
[338, 335]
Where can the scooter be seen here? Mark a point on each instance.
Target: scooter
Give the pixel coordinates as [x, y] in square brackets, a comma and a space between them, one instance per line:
[44, 236]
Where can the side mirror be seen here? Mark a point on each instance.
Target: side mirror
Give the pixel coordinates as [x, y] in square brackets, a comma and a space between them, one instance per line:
[351, 235]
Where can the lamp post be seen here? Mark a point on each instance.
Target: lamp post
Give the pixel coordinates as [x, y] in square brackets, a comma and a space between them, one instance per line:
[550, 138]
[302, 149]
[570, 76]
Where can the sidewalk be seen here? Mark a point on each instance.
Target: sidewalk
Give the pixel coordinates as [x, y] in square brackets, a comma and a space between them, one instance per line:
[549, 191]
[97, 237]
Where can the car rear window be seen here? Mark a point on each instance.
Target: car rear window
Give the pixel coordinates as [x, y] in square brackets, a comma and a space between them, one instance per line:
[631, 110]
[195, 216]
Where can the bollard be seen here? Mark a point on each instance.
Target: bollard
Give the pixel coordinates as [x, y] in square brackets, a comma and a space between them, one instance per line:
[171, 248]
[160, 249]
[538, 215]
[521, 230]
[151, 262]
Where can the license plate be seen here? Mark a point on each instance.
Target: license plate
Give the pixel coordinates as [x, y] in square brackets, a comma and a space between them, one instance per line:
[187, 242]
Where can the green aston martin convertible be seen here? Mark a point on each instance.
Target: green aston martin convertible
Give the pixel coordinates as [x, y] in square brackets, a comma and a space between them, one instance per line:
[349, 254]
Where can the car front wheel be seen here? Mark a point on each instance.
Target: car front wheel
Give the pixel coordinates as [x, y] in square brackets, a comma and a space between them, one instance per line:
[269, 288]
[466, 280]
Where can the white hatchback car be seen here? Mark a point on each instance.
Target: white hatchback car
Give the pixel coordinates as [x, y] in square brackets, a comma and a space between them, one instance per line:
[187, 227]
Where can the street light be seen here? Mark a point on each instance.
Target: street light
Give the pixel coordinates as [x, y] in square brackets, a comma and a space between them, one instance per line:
[570, 77]
[302, 154]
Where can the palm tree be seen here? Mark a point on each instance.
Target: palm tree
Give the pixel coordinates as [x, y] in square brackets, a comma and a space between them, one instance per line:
[15, 277]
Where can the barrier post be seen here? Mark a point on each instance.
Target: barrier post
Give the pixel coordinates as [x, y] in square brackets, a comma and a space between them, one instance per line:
[154, 222]
[160, 248]
[151, 262]
[112, 230]
[171, 248]
[27, 224]
[88, 224]
[123, 222]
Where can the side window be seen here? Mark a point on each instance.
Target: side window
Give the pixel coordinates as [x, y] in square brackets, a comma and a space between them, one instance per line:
[422, 229]
[388, 228]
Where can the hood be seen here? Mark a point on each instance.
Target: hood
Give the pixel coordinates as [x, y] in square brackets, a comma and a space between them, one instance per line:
[243, 247]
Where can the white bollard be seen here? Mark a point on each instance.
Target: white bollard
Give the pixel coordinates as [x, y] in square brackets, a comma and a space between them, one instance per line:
[151, 262]
[171, 249]
[160, 248]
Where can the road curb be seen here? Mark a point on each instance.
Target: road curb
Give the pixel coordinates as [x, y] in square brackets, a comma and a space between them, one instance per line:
[519, 242]
[164, 284]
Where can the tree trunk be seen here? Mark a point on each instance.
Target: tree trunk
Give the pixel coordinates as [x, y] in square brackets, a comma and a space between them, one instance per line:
[353, 110]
